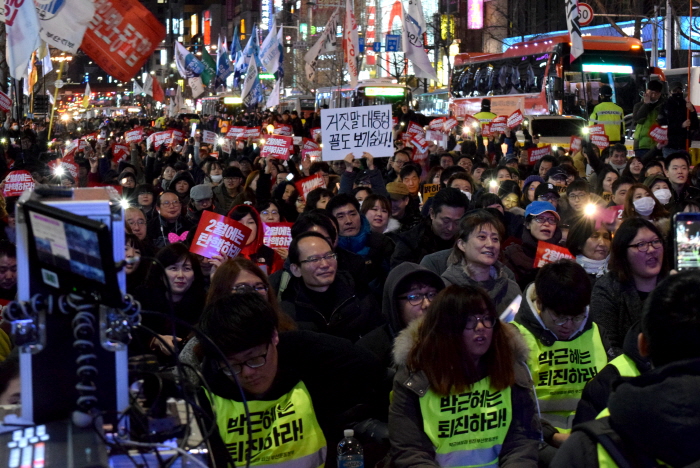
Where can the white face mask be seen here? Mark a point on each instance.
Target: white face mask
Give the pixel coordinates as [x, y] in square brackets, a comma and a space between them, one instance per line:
[469, 195]
[663, 195]
[216, 178]
[644, 206]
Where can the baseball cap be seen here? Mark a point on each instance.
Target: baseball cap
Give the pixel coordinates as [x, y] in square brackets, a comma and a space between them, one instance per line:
[546, 188]
[557, 171]
[397, 190]
[536, 208]
[201, 192]
[655, 85]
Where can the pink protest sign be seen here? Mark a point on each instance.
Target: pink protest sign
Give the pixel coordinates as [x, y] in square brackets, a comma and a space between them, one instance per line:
[278, 235]
[209, 137]
[219, 235]
[16, 183]
[437, 124]
[515, 119]
[277, 146]
[133, 136]
[235, 132]
[304, 186]
[535, 154]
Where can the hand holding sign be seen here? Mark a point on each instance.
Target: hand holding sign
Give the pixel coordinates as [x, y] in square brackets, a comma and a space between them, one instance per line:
[515, 119]
[550, 253]
[219, 235]
[357, 130]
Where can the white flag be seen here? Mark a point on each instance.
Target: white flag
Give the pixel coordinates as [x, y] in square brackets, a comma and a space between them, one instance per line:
[572, 23]
[197, 86]
[137, 88]
[351, 48]
[51, 99]
[46, 65]
[412, 41]
[21, 27]
[148, 85]
[178, 99]
[63, 23]
[249, 81]
[274, 98]
[327, 37]
[269, 50]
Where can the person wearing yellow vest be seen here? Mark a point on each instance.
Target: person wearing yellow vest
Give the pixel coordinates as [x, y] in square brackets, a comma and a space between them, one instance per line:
[566, 348]
[300, 387]
[610, 115]
[596, 393]
[485, 116]
[654, 419]
[462, 395]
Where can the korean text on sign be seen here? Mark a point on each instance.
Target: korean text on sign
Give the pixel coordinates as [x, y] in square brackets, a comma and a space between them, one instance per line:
[219, 235]
[550, 253]
[357, 130]
[17, 182]
[565, 366]
[305, 186]
[278, 235]
[476, 412]
[277, 146]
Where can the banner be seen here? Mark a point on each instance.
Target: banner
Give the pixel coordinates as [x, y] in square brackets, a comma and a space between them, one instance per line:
[219, 235]
[601, 141]
[270, 49]
[598, 129]
[188, 65]
[121, 37]
[209, 137]
[120, 153]
[282, 129]
[437, 124]
[659, 134]
[351, 47]
[357, 130]
[535, 154]
[305, 186]
[277, 146]
[5, 102]
[498, 125]
[550, 253]
[325, 43]
[572, 24]
[430, 190]
[277, 235]
[235, 132]
[515, 119]
[252, 132]
[133, 136]
[16, 183]
[575, 144]
[63, 23]
[414, 28]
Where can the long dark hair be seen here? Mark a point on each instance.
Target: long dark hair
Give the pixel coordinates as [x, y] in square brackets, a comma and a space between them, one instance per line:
[619, 264]
[170, 255]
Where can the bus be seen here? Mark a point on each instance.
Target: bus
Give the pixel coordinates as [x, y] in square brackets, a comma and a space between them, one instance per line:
[221, 104]
[304, 105]
[367, 93]
[433, 104]
[538, 78]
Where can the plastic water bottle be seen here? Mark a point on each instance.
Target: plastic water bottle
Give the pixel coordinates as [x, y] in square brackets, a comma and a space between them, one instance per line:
[350, 453]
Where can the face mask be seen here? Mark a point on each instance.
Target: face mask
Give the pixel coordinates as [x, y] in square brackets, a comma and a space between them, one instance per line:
[663, 195]
[644, 206]
[216, 178]
[15, 127]
[469, 195]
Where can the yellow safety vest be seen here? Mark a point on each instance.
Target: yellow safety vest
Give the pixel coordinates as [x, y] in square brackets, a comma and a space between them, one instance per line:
[467, 429]
[612, 117]
[561, 371]
[484, 117]
[285, 431]
[625, 366]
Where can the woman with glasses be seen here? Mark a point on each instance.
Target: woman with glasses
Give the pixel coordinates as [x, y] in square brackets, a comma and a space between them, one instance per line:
[462, 395]
[637, 264]
[265, 257]
[567, 348]
[541, 225]
[474, 259]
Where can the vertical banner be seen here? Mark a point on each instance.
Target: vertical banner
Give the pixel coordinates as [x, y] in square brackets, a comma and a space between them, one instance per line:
[572, 24]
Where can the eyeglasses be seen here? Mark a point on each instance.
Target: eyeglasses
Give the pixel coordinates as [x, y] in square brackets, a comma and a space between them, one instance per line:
[644, 246]
[416, 299]
[273, 212]
[559, 321]
[577, 197]
[253, 363]
[137, 222]
[488, 321]
[247, 288]
[315, 260]
[548, 198]
[545, 220]
[170, 203]
[231, 179]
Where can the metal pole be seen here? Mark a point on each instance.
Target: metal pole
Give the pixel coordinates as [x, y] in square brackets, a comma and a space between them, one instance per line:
[655, 38]
[668, 39]
[55, 96]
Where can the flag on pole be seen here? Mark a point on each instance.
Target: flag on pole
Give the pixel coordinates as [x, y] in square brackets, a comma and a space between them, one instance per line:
[252, 89]
[572, 24]
[236, 48]
[252, 49]
[279, 74]
[158, 94]
[188, 65]
[327, 41]
[209, 73]
[412, 40]
[52, 101]
[196, 85]
[22, 36]
[148, 85]
[86, 96]
[351, 48]
[45, 56]
[223, 63]
[64, 23]
[137, 88]
[274, 98]
[269, 50]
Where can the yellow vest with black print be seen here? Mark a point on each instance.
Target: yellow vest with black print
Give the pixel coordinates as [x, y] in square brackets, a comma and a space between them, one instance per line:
[284, 432]
[467, 429]
[611, 116]
[561, 371]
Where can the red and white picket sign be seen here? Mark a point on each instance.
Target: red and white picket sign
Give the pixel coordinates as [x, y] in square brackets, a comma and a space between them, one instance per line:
[308, 146]
[305, 186]
[277, 146]
[550, 253]
[219, 235]
[449, 124]
[515, 119]
[498, 125]
[5, 102]
[133, 136]
[438, 138]
[421, 144]
[470, 123]
[413, 129]
[278, 235]
[120, 153]
[176, 137]
[598, 129]
[16, 183]
[486, 130]
[69, 165]
[658, 133]
[157, 139]
[282, 129]
[575, 144]
[209, 137]
[235, 132]
[437, 124]
[601, 141]
[315, 131]
[252, 132]
[535, 154]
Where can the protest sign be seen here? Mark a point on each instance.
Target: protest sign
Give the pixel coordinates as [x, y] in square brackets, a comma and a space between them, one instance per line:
[420, 143]
[219, 235]
[550, 253]
[252, 132]
[597, 129]
[68, 164]
[208, 137]
[297, 140]
[449, 124]
[235, 132]
[470, 123]
[437, 124]
[282, 129]
[438, 138]
[133, 136]
[314, 156]
[277, 146]
[120, 153]
[214, 154]
[515, 119]
[601, 141]
[157, 139]
[315, 131]
[278, 235]
[486, 130]
[429, 191]
[357, 130]
[659, 134]
[16, 183]
[535, 154]
[413, 129]
[121, 36]
[575, 144]
[5, 102]
[309, 146]
[498, 125]
[226, 147]
[176, 137]
[304, 186]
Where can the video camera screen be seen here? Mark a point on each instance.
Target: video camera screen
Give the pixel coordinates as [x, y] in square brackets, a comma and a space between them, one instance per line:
[688, 244]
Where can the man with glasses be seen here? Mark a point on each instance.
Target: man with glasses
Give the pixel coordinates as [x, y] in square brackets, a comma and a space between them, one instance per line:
[169, 221]
[322, 298]
[301, 389]
[567, 348]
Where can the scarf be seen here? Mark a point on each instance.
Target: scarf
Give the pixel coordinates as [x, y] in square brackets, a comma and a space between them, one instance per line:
[357, 244]
[593, 267]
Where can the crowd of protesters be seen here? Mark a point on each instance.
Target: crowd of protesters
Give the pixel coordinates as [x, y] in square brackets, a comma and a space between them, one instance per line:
[389, 289]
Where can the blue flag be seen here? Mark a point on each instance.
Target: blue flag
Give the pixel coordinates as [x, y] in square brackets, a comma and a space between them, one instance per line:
[223, 64]
[279, 74]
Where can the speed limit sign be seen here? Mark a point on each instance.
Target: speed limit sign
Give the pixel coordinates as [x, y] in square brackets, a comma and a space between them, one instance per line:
[585, 14]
